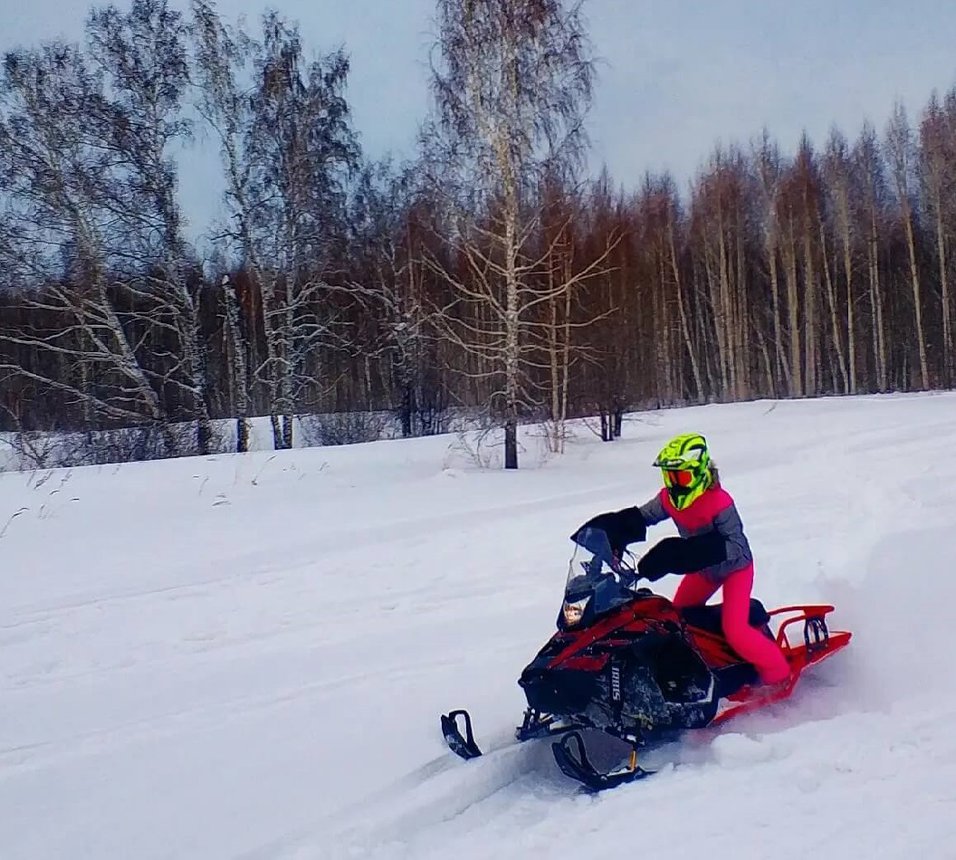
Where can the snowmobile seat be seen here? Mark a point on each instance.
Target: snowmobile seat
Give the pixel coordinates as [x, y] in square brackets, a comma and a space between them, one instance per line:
[708, 617]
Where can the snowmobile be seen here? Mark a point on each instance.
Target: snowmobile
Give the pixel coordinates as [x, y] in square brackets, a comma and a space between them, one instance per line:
[627, 662]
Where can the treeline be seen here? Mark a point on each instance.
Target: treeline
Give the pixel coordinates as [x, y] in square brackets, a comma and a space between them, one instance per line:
[487, 274]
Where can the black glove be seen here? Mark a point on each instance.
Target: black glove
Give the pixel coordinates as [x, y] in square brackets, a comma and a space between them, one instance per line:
[621, 527]
[655, 563]
[682, 555]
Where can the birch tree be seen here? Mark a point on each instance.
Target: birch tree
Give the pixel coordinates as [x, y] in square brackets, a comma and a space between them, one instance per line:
[54, 153]
[284, 130]
[512, 82]
[769, 170]
[902, 159]
[389, 277]
[937, 170]
[142, 56]
[839, 183]
[868, 163]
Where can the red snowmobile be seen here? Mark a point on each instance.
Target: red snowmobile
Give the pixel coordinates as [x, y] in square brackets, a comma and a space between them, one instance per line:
[627, 662]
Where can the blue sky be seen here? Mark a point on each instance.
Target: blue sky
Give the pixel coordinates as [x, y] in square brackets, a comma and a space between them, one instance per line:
[675, 76]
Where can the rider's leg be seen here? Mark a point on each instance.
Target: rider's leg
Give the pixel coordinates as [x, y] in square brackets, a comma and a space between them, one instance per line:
[694, 590]
[747, 641]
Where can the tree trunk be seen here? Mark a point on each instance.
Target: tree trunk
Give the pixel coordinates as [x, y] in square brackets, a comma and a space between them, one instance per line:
[239, 373]
[876, 303]
[793, 305]
[242, 435]
[834, 317]
[741, 320]
[850, 303]
[512, 334]
[682, 314]
[728, 356]
[810, 381]
[944, 299]
[917, 299]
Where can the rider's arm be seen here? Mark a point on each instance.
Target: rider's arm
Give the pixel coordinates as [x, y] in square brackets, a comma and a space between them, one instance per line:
[728, 525]
[716, 551]
[653, 511]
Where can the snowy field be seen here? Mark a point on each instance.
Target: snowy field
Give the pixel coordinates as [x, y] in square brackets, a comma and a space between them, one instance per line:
[246, 657]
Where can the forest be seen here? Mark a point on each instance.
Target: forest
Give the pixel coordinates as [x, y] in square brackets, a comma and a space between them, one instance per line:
[494, 274]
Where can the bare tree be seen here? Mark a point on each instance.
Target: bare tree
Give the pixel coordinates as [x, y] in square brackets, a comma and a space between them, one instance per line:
[60, 237]
[570, 264]
[605, 351]
[486, 274]
[218, 61]
[672, 220]
[720, 207]
[388, 276]
[806, 185]
[902, 157]
[867, 161]
[91, 200]
[283, 127]
[238, 345]
[769, 168]
[838, 176]
[512, 81]
[142, 55]
[938, 177]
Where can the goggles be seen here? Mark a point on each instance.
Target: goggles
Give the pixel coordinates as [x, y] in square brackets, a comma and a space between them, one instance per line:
[678, 478]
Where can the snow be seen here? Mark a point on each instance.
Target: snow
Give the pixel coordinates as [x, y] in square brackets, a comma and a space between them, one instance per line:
[246, 656]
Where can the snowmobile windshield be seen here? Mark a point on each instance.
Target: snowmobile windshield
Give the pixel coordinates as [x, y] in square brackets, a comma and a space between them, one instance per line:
[594, 585]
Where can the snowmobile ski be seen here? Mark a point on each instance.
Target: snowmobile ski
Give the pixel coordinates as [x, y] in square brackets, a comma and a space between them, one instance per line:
[533, 726]
[462, 745]
[573, 760]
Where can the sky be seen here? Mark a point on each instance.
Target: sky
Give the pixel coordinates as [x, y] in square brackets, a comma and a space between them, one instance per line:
[674, 78]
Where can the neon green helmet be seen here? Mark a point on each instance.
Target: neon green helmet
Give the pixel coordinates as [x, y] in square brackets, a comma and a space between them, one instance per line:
[685, 463]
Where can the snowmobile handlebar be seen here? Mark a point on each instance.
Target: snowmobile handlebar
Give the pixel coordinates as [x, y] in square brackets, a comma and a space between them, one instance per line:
[629, 576]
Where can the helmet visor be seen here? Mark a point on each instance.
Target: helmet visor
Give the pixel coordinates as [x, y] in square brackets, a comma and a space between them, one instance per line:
[678, 478]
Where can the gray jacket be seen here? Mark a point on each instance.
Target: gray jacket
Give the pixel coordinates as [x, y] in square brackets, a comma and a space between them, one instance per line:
[725, 521]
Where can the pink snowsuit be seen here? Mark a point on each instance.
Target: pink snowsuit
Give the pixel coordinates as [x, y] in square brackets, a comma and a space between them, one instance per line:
[715, 511]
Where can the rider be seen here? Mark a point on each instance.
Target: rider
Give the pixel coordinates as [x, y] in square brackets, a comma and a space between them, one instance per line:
[712, 551]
